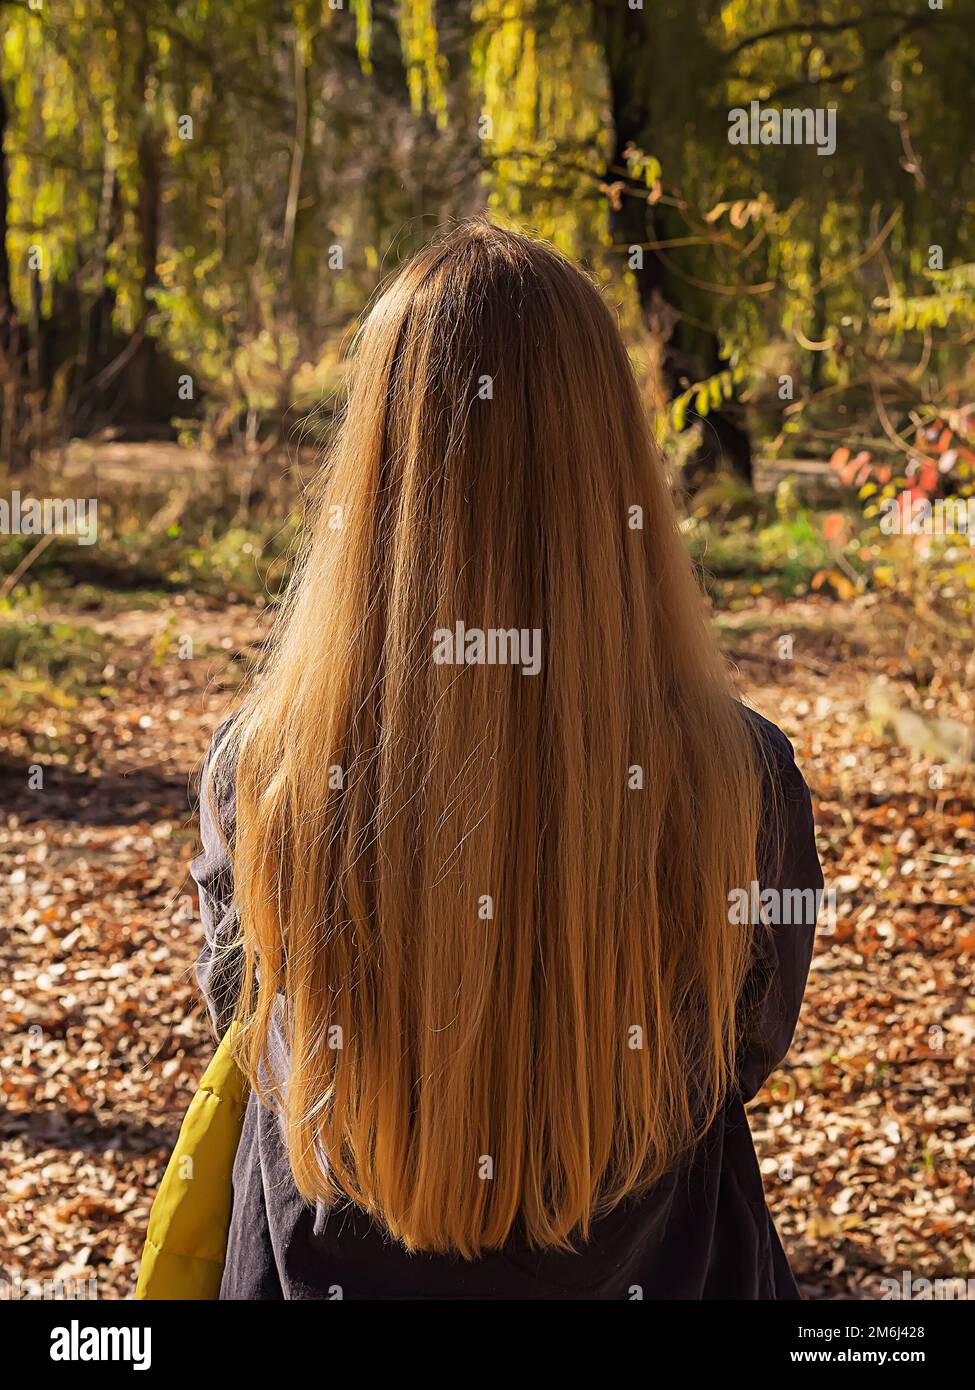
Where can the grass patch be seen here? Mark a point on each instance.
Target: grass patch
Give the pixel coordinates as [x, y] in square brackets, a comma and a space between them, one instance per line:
[244, 561]
[749, 554]
[45, 664]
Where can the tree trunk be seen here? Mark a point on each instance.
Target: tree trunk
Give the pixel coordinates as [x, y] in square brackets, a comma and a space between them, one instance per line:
[13, 414]
[626, 35]
[141, 374]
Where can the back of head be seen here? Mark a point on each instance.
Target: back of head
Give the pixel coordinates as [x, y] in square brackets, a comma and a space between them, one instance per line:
[491, 791]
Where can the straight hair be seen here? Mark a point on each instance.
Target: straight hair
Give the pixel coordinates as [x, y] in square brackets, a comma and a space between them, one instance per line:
[487, 908]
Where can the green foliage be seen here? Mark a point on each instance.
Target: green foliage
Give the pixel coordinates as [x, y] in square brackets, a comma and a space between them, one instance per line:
[210, 555]
[704, 395]
[757, 552]
[45, 663]
[233, 181]
[545, 141]
[226, 179]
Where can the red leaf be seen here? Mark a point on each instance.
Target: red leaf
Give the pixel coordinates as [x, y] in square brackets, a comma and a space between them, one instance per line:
[928, 480]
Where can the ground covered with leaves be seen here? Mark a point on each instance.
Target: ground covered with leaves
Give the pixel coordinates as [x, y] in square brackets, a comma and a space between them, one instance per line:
[865, 1135]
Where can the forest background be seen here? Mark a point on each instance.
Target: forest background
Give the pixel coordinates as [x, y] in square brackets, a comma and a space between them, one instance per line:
[198, 202]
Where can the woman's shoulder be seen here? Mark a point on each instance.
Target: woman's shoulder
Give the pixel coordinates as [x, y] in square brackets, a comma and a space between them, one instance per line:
[217, 779]
[778, 756]
[787, 832]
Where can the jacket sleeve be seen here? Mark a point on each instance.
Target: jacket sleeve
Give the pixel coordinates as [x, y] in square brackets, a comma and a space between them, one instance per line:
[789, 864]
[219, 965]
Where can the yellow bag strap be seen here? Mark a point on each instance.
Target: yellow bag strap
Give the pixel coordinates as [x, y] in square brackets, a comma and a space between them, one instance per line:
[186, 1242]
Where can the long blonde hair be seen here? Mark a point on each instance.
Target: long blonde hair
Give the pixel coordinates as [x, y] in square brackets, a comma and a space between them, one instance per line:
[488, 909]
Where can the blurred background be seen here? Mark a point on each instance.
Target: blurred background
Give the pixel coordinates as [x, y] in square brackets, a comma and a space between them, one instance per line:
[197, 204]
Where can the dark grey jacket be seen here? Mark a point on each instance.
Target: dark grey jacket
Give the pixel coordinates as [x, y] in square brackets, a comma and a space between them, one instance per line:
[702, 1232]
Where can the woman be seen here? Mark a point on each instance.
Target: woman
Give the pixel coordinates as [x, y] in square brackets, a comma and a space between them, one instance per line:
[472, 843]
